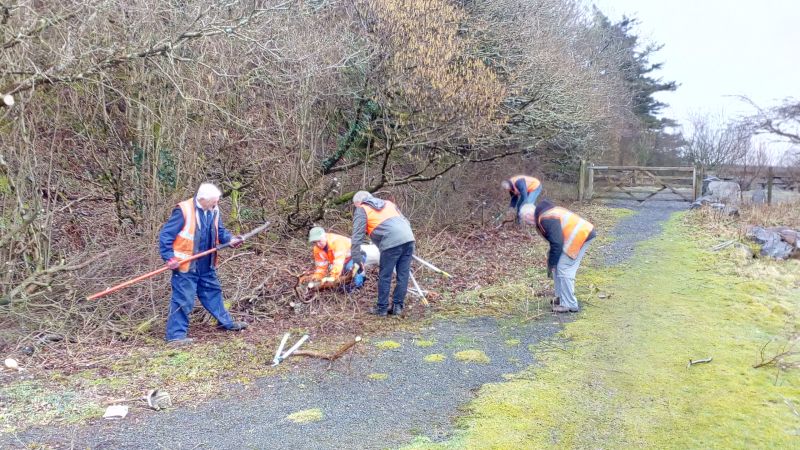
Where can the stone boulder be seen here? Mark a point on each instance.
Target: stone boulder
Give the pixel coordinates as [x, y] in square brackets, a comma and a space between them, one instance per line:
[725, 191]
[772, 244]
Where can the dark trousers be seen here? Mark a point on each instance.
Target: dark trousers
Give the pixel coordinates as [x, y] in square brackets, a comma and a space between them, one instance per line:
[186, 287]
[394, 259]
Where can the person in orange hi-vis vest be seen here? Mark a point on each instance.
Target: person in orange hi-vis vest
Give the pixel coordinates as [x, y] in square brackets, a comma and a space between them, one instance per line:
[382, 221]
[332, 259]
[523, 189]
[569, 236]
[194, 227]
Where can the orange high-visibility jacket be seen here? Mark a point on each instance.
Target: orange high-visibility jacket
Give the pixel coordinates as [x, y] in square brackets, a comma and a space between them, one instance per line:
[330, 261]
[574, 228]
[531, 182]
[375, 218]
[183, 246]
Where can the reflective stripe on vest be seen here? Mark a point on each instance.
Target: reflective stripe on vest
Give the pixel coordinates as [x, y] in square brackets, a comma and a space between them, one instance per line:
[574, 228]
[530, 182]
[183, 246]
[375, 218]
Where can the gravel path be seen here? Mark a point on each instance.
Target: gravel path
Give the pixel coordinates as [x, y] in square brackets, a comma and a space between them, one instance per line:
[415, 398]
[644, 224]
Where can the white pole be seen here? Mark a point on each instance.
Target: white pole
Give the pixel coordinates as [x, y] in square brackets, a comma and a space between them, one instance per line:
[431, 266]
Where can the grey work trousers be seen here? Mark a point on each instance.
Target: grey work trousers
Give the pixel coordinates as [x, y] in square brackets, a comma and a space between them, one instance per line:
[564, 278]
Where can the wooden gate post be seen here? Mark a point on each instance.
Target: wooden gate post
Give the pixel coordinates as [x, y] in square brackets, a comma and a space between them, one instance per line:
[769, 185]
[581, 180]
[590, 183]
[697, 183]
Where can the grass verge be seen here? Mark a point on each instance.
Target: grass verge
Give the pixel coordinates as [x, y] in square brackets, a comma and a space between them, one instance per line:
[622, 380]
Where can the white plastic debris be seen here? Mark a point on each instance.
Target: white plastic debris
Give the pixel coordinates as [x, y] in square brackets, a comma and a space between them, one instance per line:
[116, 412]
[12, 363]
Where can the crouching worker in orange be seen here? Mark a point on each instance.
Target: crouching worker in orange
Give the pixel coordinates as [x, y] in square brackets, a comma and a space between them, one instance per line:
[569, 236]
[333, 266]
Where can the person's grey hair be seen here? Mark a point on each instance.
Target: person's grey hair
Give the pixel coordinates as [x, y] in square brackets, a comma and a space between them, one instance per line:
[527, 211]
[208, 191]
[361, 196]
[505, 184]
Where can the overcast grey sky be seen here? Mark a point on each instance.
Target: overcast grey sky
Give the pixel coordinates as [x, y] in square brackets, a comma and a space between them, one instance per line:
[716, 49]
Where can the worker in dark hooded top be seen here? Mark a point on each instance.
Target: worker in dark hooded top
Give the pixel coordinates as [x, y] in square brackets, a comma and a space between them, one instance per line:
[569, 236]
[382, 221]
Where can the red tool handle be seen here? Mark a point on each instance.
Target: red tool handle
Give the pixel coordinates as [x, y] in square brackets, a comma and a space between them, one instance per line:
[165, 267]
[146, 276]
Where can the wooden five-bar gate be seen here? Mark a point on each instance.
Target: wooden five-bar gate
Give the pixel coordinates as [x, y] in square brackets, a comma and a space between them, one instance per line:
[639, 183]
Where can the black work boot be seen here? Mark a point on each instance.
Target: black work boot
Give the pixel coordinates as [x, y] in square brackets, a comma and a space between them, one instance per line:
[397, 310]
[375, 311]
[235, 326]
[180, 342]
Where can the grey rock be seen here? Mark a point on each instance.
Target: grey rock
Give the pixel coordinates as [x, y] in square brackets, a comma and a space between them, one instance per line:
[759, 197]
[706, 182]
[702, 201]
[771, 243]
[726, 191]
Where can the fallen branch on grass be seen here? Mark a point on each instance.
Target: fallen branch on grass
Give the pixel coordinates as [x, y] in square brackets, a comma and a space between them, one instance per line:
[330, 357]
[779, 360]
[698, 361]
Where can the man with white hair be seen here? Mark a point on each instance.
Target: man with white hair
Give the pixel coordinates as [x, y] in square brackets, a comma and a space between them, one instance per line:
[382, 221]
[569, 236]
[194, 227]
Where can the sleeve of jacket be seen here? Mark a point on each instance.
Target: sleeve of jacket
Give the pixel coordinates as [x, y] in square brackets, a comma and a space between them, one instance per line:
[225, 236]
[553, 234]
[514, 199]
[168, 234]
[522, 188]
[359, 234]
[320, 264]
[339, 256]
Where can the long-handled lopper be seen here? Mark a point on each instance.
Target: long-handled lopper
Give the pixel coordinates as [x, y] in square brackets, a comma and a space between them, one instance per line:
[245, 237]
[432, 267]
[419, 290]
[280, 355]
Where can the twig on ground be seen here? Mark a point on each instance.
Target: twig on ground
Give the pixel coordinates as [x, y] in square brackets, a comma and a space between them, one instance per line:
[698, 361]
[332, 356]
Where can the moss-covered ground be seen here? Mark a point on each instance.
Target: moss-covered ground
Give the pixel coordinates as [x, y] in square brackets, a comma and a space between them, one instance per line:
[620, 376]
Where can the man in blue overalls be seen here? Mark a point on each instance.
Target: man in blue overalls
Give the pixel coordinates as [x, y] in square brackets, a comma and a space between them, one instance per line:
[194, 227]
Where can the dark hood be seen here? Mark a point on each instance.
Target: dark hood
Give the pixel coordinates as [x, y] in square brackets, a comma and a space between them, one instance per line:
[375, 203]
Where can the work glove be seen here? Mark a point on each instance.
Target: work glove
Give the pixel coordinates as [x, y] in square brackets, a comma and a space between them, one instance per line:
[550, 273]
[357, 268]
[358, 279]
[330, 280]
[173, 263]
[236, 241]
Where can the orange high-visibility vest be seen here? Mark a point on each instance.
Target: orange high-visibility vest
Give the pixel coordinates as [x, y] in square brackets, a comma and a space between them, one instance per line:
[530, 182]
[574, 227]
[337, 254]
[375, 218]
[183, 246]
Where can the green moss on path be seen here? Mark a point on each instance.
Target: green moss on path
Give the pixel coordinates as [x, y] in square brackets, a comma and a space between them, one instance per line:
[623, 380]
